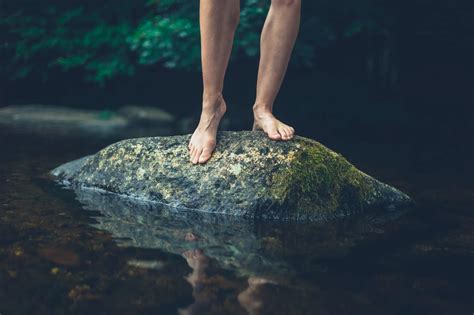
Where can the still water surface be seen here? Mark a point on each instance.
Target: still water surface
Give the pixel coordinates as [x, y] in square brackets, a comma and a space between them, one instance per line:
[68, 253]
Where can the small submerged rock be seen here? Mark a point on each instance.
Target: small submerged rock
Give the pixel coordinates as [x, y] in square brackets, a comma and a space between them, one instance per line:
[60, 256]
[248, 175]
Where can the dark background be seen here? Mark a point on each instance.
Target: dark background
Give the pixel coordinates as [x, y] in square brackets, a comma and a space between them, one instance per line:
[405, 76]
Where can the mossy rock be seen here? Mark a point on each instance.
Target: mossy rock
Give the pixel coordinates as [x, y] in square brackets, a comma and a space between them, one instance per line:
[248, 175]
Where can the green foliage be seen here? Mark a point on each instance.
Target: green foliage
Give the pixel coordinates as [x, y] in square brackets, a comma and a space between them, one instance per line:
[68, 38]
[170, 35]
[110, 38]
[247, 37]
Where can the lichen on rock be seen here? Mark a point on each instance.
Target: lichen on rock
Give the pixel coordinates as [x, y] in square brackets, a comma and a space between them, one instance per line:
[248, 175]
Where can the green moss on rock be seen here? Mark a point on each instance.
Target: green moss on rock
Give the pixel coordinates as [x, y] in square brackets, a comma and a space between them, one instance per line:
[321, 180]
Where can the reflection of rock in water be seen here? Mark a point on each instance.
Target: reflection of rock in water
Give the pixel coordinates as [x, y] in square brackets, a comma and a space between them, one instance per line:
[248, 247]
[228, 239]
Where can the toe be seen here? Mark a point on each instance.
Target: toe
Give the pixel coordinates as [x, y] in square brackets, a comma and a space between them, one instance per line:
[284, 133]
[292, 131]
[196, 156]
[274, 134]
[193, 156]
[205, 155]
[191, 153]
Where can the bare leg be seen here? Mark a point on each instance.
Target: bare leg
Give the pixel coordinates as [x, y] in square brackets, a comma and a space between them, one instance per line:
[276, 43]
[218, 21]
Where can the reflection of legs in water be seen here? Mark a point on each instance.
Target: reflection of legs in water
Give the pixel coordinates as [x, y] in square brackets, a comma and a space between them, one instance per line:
[198, 263]
[249, 298]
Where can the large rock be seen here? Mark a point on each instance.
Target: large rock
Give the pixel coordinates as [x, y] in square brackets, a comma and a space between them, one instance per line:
[248, 175]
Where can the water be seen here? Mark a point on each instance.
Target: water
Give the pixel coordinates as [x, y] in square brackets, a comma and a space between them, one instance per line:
[68, 253]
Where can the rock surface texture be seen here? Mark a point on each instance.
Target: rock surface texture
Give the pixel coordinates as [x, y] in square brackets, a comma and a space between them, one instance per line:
[248, 175]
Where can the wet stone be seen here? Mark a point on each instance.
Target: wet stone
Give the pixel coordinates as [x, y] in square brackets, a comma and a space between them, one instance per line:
[146, 114]
[128, 121]
[248, 175]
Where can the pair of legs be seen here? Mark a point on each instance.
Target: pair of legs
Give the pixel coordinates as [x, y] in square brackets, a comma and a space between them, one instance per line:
[249, 298]
[218, 22]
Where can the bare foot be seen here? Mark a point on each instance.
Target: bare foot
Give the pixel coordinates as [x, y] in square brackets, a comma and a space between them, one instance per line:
[275, 129]
[203, 140]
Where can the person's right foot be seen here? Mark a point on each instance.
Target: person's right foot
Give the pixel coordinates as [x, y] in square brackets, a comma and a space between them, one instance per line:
[203, 140]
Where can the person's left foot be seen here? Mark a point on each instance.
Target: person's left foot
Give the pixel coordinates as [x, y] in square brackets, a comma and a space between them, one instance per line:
[275, 129]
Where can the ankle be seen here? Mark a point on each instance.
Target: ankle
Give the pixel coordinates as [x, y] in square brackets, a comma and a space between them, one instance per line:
[210, 97]
[260, 109]
[212, 104]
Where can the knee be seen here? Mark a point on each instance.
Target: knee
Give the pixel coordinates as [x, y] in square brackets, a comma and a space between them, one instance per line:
[288, 4]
